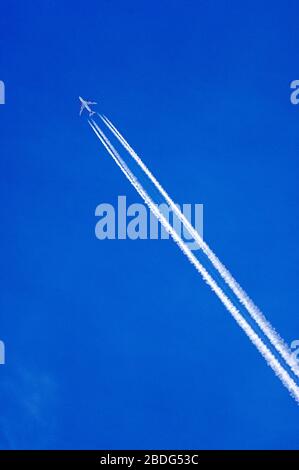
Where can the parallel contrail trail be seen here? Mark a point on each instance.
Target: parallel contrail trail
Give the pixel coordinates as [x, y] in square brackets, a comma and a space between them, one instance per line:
[243, 297]
[252, 335]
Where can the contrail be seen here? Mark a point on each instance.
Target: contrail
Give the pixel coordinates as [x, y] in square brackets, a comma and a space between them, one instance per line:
[278, 369]
[243, 297]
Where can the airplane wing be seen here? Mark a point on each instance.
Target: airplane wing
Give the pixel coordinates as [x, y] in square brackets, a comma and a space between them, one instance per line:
[91, 102]
[82, 107]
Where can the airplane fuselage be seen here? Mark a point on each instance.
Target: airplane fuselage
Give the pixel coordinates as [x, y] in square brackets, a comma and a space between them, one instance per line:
[85, 105]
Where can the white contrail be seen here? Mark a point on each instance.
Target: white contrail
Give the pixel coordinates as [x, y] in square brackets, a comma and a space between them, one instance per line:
[255, 339]
[243, 297]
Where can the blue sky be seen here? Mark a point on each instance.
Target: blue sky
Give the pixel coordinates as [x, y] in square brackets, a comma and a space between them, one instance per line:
[201, 90]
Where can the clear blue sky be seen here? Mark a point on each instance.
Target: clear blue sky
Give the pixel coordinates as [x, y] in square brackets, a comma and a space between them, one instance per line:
[201, 90]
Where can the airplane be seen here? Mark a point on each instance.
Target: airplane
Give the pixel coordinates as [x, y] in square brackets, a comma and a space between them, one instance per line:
[86, 105]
